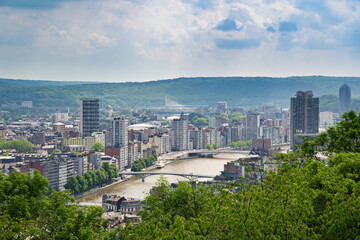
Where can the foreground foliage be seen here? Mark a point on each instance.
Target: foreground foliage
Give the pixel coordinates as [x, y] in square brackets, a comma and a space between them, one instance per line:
[27, 213]
[305, 200]
[308, 198]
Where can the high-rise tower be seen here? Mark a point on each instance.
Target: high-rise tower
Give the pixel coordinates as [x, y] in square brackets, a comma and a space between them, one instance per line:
[344, 99]
[179, 135]
[89, 116]
[252, 126]
[119, 132]
[304, 114]
[120, 139]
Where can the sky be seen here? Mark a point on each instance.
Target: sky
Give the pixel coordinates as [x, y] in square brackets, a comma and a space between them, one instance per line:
[143, 40]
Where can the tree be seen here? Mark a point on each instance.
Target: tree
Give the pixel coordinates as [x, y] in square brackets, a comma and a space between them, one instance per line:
[344, 137]
[306, 199]
[143, 163]
[113, 171]
[94, 177]
[209, 146]
[27, 213]
[200, 122]
[53, 152]
[89, 179]
[126, 112]
[19, 145]
[236, 117]
[110, 170]
[73, 185]
[215, 146]
[83, 185]
[98, 147]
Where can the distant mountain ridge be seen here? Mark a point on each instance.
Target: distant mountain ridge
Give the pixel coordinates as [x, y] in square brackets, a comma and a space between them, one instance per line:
[237, 91]
[42, 82]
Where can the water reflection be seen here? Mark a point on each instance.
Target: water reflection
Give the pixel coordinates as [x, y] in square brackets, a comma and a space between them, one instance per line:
[137, 189]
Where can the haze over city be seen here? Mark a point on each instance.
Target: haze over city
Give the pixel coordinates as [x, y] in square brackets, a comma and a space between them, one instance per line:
[149, 40]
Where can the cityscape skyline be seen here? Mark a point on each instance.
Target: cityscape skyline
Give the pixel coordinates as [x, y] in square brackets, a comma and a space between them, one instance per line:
[142, 41]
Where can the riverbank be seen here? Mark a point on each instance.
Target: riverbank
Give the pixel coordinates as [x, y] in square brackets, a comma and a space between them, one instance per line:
[94, 190]
[164, 160]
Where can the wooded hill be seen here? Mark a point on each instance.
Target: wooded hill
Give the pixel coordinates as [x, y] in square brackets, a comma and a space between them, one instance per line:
[237, 91]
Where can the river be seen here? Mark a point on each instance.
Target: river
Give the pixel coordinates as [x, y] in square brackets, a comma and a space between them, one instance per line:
[137, 189]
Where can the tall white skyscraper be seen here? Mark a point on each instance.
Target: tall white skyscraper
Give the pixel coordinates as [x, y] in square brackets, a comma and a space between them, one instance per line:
[89, 116]
[179, 135]
[119, 134]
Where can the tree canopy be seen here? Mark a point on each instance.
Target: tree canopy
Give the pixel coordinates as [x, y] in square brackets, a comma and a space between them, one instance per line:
[27, 213]
[343, 137]
[98, 147]
[305, 200]
[141, 163]
[19, 145]
[92, 179]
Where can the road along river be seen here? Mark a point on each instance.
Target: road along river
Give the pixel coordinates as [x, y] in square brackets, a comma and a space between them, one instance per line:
[137, 189]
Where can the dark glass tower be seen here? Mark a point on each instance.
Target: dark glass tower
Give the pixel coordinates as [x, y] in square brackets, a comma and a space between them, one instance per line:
[304, 114]
[89, 116]
[344, 99]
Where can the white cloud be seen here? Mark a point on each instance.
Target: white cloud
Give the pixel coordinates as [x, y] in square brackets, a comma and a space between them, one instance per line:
[163, 38]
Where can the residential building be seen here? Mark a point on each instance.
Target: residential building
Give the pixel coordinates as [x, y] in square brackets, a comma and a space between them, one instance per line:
[27, 104]
[252, 126]
[61, 117]
[88, 142]
[100, 137]
[132, 153]
[37, 138]
[119, 136]
[327, 119]
[179, 135]
[119, 132]
[58, 170]
[89, 116]
[222, 107]
[304, 114]
[118, 153]
[196, 136]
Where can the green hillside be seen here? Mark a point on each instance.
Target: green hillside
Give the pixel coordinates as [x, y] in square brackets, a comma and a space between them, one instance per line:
[237, 91]
[41, 82]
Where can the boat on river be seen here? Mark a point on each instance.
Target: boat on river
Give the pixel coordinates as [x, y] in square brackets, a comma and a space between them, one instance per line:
[160, 165]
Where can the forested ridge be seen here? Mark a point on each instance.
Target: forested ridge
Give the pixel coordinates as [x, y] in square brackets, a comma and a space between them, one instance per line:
[308, 198]
[237, 91]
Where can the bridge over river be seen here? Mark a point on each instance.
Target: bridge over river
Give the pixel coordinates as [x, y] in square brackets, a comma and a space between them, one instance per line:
[143, 175]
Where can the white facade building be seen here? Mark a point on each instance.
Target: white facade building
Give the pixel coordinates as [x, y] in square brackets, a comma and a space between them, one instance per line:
[100, 137]
[119, 135]
[27, 104]
[179, 135]
[327, 119]
[61, 117]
